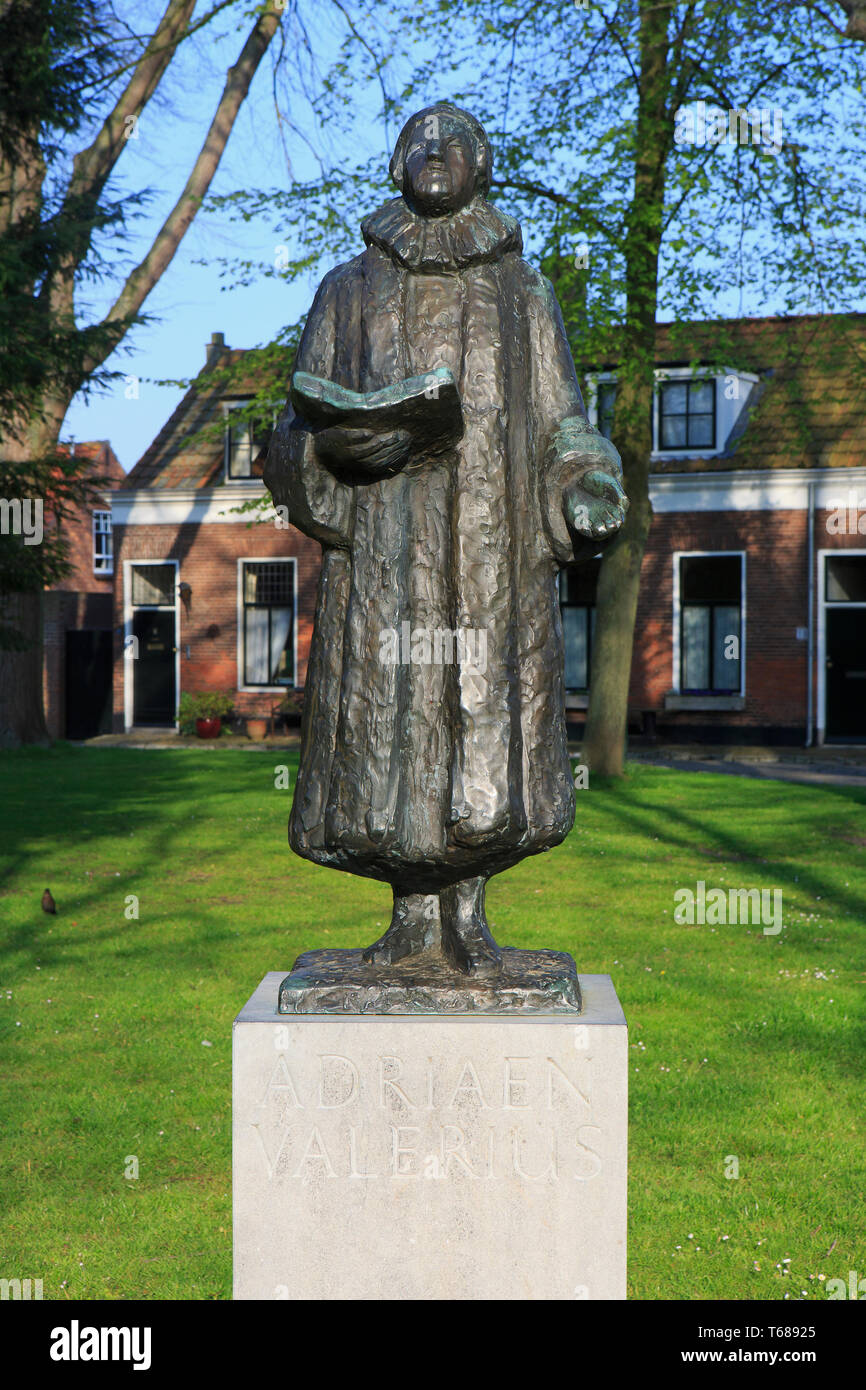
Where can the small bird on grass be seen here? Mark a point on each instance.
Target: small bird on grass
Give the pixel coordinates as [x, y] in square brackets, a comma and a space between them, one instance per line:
[48, 903]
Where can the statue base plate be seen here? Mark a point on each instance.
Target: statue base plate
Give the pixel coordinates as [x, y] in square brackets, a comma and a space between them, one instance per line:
[341, 982]
[435, 1157]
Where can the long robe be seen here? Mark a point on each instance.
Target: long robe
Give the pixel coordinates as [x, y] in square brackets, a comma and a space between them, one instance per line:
[423, 773]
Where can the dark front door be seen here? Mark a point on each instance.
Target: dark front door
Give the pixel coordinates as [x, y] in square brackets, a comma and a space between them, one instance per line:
[154, 696]
[88, 684]
[846, 673]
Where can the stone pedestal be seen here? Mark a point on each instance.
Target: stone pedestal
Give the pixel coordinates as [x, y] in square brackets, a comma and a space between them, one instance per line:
[430, 1156]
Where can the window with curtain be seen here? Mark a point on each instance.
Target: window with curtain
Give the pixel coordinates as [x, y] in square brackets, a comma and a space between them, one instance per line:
[153, 586]
[268, 592]
[710, 624]
[687, 415]
[577, 585]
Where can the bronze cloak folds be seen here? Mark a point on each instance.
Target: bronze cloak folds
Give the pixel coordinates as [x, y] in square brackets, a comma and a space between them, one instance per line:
[424, 773]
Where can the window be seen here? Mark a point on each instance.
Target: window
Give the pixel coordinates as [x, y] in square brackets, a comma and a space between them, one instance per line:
[604, 408]
[103, 550]
[710, 624]
[244, 438]
[153, 585]
[577, 586]
[846, 579]
[687, 415]
[268, 598]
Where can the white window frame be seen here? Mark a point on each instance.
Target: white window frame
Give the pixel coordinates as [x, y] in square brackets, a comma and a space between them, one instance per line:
[128, 610]
[102, 569]
[676, 686]
[264, 560]
[834, 552]
[685, 376]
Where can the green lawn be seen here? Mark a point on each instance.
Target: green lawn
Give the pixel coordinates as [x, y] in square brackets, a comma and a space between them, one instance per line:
[115, 1033]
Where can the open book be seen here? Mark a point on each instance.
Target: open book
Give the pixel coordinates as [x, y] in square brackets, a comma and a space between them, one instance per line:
[428, 406]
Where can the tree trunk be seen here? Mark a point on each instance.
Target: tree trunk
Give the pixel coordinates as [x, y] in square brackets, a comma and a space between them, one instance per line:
[21, 696]
[619, 582]
[22, 718]
[616, 612]
[856, 12]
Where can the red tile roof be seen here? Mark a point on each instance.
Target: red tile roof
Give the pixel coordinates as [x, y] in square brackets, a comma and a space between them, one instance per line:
[807, 411]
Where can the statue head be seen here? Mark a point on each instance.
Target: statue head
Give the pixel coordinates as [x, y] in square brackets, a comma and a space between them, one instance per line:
[441, 160]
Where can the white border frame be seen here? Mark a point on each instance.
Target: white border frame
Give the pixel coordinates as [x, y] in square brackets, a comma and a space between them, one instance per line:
[128, 661]
[677, 617]
[821, 645]
[264, 560]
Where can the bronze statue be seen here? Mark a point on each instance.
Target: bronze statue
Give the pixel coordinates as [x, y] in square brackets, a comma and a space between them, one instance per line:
[436, 444]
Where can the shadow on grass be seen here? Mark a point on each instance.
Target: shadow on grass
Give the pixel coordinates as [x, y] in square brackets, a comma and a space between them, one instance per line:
[680, 828]
[691, 833]
[84, 797]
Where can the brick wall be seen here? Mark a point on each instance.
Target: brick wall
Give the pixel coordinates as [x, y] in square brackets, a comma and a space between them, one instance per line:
[776, 605]
[81, 599]
[207, 558]
[776, 601]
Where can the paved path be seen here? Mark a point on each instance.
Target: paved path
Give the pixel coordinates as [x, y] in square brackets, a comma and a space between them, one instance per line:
[833, 774]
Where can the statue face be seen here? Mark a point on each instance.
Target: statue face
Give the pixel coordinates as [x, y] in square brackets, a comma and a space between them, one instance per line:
[439, 165]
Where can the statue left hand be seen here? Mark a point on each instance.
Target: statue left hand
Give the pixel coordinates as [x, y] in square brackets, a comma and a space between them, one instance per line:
[363, 451]
[595, 506]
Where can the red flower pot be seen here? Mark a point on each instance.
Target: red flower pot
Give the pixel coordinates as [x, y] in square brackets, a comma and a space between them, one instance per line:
[208, 728]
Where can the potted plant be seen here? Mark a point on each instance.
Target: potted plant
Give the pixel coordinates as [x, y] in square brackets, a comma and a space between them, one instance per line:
[204, 712]
[290, 707]
[257, 727]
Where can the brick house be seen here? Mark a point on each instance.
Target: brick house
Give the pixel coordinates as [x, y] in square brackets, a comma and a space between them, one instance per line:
[77, 613]
[758, 486]
[752, 618]
[206, 598]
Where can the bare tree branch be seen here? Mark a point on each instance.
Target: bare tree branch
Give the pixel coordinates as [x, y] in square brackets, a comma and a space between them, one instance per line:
[538, 190]
[191, 29]
[146, 274]
[92, 166]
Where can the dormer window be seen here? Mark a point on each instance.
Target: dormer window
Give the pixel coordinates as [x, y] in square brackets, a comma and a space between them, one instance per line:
[687, 415]
[693, 414]
[243, 440]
